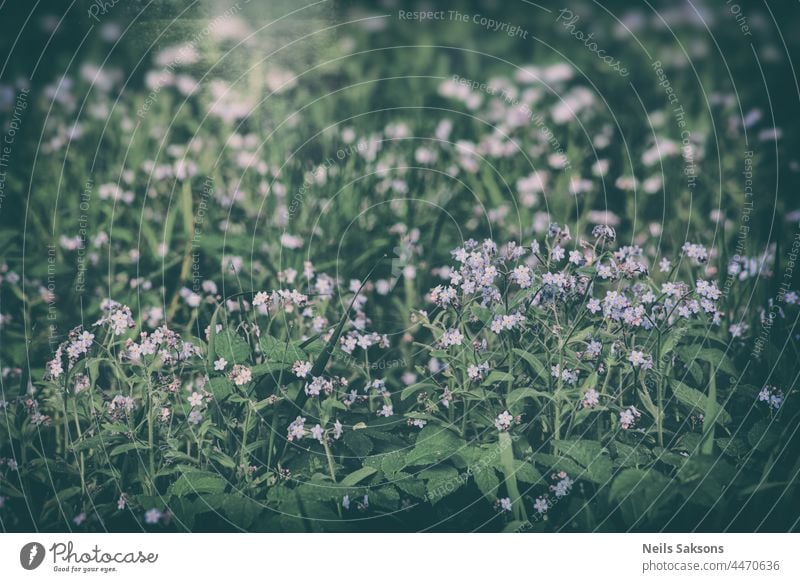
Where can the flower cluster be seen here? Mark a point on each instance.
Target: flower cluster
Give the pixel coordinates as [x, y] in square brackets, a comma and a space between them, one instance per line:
[163, 342]
[117, 317]
[78, 344]
[772, 396]
[628, 417]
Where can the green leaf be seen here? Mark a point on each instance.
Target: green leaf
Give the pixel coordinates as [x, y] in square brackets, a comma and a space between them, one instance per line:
[232, 347]
[385, 497]
[583, 451]
[592, 456]
[515, 396]
[641, 485]
[697, 401]
[357, 476]
[220, 387]
[581, 335]
[441, 481]
[535, 364]
[393, 462]
[525, 472]
[124, 448]
[628, 456]
[433, 444]
[197, 482]
[358, 442]
[409, 485]
[487, 481]
[281, 352]
[497, 376]
[240, 510]
[414, 388]
[718, 360]
[507, 463]
[554, 464]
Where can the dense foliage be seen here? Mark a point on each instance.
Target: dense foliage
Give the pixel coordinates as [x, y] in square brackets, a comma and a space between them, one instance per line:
[432, 289]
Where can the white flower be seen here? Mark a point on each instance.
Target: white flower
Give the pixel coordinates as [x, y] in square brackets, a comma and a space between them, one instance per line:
[503, 421]
[318, 385]
[120, 404]
[505, 504]
[196, 399]
[738, 329]
[296, 429]
[522, 276]
[541, 505]
[664, 265]
[451, 337]
[627, 417]
[695, 251]
[772, 396]
[337, 430]
[477, 372]
[708, 290]
[590, 398]
[220, 364]
[261, 298]
[387, 410]
[241, 375]
[317, 432]
[563, 486]
[152, 516]
[301, 369]
[195, 417]
[639, 358]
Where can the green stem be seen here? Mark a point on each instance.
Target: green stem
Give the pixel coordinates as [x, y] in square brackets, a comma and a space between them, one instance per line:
[80, 436]
[150, 439]
[243, 450]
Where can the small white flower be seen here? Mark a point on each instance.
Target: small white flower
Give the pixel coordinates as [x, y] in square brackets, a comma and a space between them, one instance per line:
[152, 516]
[503, 421]
[220, 364]
[241, 375]
[627, 417]
[451, 337]
[591, 398]
[301, 369]
[296, 429]
[261, 298]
